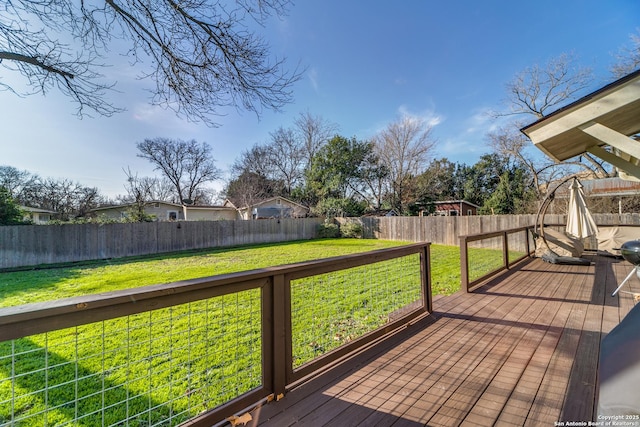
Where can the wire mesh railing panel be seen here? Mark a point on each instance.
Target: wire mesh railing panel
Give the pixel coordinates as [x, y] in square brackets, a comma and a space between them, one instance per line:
[158, 368]
[517, 243]
[332, 309]
[485, 256]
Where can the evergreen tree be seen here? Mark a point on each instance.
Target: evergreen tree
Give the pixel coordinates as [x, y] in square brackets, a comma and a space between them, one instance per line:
[10, 213]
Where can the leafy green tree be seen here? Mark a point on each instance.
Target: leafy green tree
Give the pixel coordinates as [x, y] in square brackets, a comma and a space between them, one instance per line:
[10, 213]
[342, 177]
[499, 186]
[436, 183]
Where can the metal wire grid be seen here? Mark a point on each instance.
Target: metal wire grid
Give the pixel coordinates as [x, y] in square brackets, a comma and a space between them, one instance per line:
[332, 309]
[485, 256]
[156, 368]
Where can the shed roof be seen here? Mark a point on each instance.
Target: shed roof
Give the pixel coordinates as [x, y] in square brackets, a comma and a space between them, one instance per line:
[606, 117]
[457, 202]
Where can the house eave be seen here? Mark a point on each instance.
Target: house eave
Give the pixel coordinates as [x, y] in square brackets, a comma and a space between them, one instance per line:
[601, 123]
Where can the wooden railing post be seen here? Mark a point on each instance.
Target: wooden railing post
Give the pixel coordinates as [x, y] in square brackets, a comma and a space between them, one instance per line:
[280, 331]
[425, 274]
[464, 264]
[505, 249]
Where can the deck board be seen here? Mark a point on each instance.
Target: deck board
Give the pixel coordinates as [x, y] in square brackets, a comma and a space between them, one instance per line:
[522, 350]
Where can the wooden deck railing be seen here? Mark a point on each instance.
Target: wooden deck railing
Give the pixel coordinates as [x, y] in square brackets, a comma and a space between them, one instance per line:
[176, 321]
[511, 246]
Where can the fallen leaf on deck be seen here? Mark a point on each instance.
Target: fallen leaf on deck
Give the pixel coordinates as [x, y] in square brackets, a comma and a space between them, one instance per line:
[242, 419]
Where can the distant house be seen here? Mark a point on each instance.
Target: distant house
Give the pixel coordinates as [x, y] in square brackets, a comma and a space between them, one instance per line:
[455, 208]
[37, 215]
[209, 213]
[274, 207]
[167, 211]
[162, 211]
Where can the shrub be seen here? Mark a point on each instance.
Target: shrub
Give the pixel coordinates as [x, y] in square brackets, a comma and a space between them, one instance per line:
[10, 212]
[351, 230]
[328, 230]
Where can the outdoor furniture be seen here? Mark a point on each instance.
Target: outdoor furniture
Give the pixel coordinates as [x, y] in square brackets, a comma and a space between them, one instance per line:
[565, 248]
[630, 251]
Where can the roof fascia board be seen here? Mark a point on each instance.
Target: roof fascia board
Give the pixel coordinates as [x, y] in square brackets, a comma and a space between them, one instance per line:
[600, 92]
[587, 111]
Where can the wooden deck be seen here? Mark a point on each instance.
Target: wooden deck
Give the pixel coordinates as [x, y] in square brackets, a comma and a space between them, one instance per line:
[522, 350]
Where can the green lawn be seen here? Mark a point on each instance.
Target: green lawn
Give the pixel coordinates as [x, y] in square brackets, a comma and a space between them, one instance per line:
[163, 367]
[23, 287]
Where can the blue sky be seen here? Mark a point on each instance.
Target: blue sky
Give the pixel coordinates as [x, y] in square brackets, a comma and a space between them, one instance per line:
[367, 63]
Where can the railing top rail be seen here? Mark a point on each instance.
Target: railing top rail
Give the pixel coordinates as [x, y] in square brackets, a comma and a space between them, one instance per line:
[490, 234]
[51, 315]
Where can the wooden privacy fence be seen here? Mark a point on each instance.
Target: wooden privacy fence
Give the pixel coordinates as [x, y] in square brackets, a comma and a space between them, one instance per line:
[440, 229]
[28, 245]
[32, 245]
[447, 230]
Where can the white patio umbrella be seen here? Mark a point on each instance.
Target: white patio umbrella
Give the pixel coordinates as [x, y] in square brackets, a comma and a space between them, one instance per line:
[580, 223]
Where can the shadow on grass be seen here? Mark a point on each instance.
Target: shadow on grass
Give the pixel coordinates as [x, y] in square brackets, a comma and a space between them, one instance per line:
[48, 389]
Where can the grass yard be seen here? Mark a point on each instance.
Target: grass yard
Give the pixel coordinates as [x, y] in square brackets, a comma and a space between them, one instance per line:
[22, 287]
[166, 366]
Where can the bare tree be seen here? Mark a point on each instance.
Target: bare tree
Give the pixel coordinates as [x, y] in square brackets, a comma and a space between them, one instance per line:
[534, 93]
[510, 142]
[313, 132]
[255, 160]
[248, 188]
[16, 181]
[539, 90]
[188, 165]
[286, 157]
[404, 148]
[69, 199]
[141, 191]
[202, 53]
[628, 59]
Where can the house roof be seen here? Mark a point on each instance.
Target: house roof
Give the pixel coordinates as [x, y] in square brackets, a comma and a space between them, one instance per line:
[455, 202]
[262, 202]
[606, 117]
[36, 210]
[124, 205]
[209, 207]
[175, 205]
[229, 203]
[604, 187]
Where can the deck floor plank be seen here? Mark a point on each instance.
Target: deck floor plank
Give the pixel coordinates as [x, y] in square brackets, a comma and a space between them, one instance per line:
[522, 350]
[515, 382]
